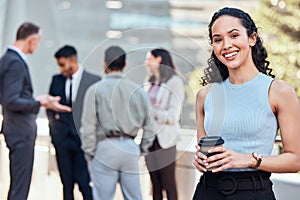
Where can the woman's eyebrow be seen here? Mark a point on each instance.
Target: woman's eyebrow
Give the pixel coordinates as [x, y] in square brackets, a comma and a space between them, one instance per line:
[235, 29]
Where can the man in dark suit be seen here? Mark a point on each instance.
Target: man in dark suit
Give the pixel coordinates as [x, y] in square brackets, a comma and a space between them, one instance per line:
[71, 86]
[19, 109]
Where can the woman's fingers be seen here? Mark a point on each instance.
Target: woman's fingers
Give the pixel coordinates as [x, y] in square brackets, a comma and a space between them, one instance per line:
[220, 159]
[220, 164]
[201, 155]
[200, 164]
[217, 149]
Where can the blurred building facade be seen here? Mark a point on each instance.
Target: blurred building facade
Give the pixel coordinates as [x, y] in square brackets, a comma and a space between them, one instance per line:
[137, 26]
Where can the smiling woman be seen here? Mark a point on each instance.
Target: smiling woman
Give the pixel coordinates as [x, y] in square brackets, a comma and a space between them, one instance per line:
[245, 106]
[231, 43]
[230, 37]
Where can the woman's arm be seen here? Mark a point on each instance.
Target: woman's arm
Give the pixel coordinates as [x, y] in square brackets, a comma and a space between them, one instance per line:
[285, 102]
[285, 105]
[200, 99]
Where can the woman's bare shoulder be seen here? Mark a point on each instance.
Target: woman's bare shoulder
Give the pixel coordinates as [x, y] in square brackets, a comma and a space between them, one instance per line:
[280, 87]
[281, 94]
[202, 93]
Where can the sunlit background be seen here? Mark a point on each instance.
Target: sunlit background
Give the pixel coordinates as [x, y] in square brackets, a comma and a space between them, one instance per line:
[141, 25]
[137, 26]
[178, 25]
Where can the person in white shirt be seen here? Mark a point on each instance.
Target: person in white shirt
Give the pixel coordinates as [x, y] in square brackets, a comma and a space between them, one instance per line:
[71, 85]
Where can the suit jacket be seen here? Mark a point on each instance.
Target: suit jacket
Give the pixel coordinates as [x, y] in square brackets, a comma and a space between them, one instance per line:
[167, 110]
[19, 108]
[63, 124]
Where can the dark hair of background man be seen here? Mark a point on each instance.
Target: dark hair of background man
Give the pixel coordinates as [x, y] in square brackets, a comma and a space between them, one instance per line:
[66, 51]
[115, 58]
[26, 29]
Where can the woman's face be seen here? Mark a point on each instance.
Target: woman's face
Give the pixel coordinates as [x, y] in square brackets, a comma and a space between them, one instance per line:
[230, 42]
[152, 63]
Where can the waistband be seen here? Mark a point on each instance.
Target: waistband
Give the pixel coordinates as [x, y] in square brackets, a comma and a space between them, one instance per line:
[118, 134]
[229, 182]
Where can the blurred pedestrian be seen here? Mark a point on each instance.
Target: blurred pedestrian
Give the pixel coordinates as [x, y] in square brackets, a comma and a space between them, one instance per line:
[19, 108]
[114, 110]
[166, 91]
[71, 85]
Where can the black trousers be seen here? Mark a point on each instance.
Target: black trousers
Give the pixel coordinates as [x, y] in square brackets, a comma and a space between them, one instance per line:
[73, 168]
[21, 156]
[161, 166]
[252, 185]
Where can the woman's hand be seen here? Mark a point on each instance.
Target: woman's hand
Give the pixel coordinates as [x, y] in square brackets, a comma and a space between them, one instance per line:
[200, 160]
[227, 158]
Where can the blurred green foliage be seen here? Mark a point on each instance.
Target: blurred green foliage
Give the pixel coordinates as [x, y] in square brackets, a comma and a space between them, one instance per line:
[278, 22]
[194, 84]
[279, 25]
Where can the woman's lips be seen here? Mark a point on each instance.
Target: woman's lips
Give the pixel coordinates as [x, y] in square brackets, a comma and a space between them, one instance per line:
[231, 55]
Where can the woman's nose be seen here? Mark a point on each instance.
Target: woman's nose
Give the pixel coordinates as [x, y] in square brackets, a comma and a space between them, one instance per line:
[227, 43]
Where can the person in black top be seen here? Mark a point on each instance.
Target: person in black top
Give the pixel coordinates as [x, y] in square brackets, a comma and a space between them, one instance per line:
[71, 85]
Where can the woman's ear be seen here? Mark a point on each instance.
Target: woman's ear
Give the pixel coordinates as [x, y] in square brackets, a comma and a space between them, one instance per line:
[252, 39]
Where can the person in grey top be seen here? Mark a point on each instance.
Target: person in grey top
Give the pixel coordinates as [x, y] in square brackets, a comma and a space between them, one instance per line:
[114, 110]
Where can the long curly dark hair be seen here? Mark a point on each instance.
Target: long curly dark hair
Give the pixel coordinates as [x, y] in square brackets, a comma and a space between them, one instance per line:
[216, 70]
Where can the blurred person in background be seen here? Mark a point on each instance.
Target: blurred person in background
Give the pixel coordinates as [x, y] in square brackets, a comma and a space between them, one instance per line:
[115, 109]
[20, 109]
[166, 91]
[71, 85]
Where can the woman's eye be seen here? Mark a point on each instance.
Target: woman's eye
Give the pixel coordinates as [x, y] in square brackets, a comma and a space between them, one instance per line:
[234, 35]
[217, 40]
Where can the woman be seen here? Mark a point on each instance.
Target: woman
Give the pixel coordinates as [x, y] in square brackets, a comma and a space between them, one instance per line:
[166, 91]
[241, 102]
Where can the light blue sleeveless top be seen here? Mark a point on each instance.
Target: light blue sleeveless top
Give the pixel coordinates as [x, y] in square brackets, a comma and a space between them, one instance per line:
[242, 115]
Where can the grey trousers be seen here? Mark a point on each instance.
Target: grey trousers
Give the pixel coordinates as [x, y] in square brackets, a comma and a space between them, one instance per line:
[116, 160]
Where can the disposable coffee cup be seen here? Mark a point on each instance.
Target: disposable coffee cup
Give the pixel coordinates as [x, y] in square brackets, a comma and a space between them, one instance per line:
[207, 143]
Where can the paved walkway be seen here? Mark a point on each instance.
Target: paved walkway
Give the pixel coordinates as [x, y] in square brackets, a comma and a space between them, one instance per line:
[46, 183]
